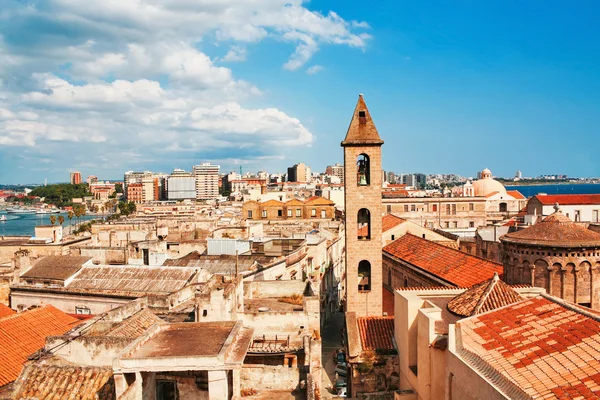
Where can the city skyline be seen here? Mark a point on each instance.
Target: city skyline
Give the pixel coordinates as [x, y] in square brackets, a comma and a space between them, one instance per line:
[145, 88]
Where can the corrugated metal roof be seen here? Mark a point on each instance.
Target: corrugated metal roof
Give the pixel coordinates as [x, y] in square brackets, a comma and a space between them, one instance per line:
[45, 382]
[56, 267]
[142, 279]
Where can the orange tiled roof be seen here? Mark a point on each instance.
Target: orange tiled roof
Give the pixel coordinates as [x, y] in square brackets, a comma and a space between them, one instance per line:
[24, 333]
[388, 222]
[319, 200]
[516, 194]
[483, 297]
[568, 199]
[453, 266]
[542, 347]
[492, 194]
[376, 333]
[6, 311]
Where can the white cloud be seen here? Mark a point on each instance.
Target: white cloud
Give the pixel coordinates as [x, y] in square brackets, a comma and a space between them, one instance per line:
[314, 69]
[107, 77]
[235, 54]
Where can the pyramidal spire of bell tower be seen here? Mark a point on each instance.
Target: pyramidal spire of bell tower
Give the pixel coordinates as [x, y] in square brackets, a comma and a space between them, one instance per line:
[362, 129]
[363, 212]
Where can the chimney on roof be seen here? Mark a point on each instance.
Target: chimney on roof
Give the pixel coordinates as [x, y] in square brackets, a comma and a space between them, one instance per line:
[21, 264]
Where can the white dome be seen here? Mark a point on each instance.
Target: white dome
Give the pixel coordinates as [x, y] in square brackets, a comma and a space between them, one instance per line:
[488, 185]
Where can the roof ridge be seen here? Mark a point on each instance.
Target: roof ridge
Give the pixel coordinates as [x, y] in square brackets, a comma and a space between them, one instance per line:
[486, 293]
[571, 306]
[455, 250]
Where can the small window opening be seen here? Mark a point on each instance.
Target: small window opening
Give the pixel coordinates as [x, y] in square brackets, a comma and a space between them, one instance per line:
[364, 224]
[362, 117]
[363, 170]
[364, 276]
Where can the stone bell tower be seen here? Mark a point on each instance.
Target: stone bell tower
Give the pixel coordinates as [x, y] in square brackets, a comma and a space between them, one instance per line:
[363, 209]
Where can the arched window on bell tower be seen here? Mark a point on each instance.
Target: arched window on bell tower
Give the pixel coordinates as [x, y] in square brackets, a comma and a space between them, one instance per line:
[364, 276]
[363, 170]
[364, 224]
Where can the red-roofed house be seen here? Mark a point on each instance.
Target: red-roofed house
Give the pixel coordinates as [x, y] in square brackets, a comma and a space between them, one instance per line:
[414, 261]
[578, 207]
[24, 333]
[538, 348]
[373, 362]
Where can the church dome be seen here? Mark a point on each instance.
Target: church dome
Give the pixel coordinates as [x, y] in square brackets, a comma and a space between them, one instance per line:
[487, 185]
[556, 230]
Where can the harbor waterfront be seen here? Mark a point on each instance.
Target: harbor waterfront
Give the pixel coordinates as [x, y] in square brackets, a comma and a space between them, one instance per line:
[24, 224]
[569, 188]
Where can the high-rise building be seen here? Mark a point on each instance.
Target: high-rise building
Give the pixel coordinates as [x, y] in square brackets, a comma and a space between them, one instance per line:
[207, 181]
[362, 163]
[335, 170]
[148, 189]
[518, 175]
[299, 173]
[134, 177]
[92, 179]
[181, 185]
[75, 178]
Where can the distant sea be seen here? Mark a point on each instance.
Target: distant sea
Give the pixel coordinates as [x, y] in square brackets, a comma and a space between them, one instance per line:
[24, 224]
[582, 188]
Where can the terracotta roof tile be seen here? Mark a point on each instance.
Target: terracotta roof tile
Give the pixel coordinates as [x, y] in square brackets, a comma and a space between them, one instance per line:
[376, 333]
[45, 382]
[24, 333]
[454, 266]
[544, 346]
[516, 194]
[56, 267]
[6, 311]
[568, 199]
[362, 129]
[483, 297]
[318, 200]
[555, 230]
[388, 222]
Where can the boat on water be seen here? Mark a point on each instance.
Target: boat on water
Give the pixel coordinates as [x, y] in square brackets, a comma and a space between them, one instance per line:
[43, 212]
[2, 217]
[48, 211]
[20, 211]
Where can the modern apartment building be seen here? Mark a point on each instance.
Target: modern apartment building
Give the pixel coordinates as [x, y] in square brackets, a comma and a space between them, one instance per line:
[207, 181]
[336, 170]
[75, 178]
[299, 173]
[181, 185]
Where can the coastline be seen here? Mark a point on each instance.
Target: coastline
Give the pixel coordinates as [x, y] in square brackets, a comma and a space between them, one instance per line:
[507, 183]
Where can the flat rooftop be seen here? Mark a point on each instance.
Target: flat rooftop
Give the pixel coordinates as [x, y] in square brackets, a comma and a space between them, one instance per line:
[186, 339]
[272, 304]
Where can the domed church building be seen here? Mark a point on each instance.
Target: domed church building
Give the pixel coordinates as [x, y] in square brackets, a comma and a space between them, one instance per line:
[558, 255]
[500, 203]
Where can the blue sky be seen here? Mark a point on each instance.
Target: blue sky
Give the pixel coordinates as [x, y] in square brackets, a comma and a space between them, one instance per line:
[453, 86]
